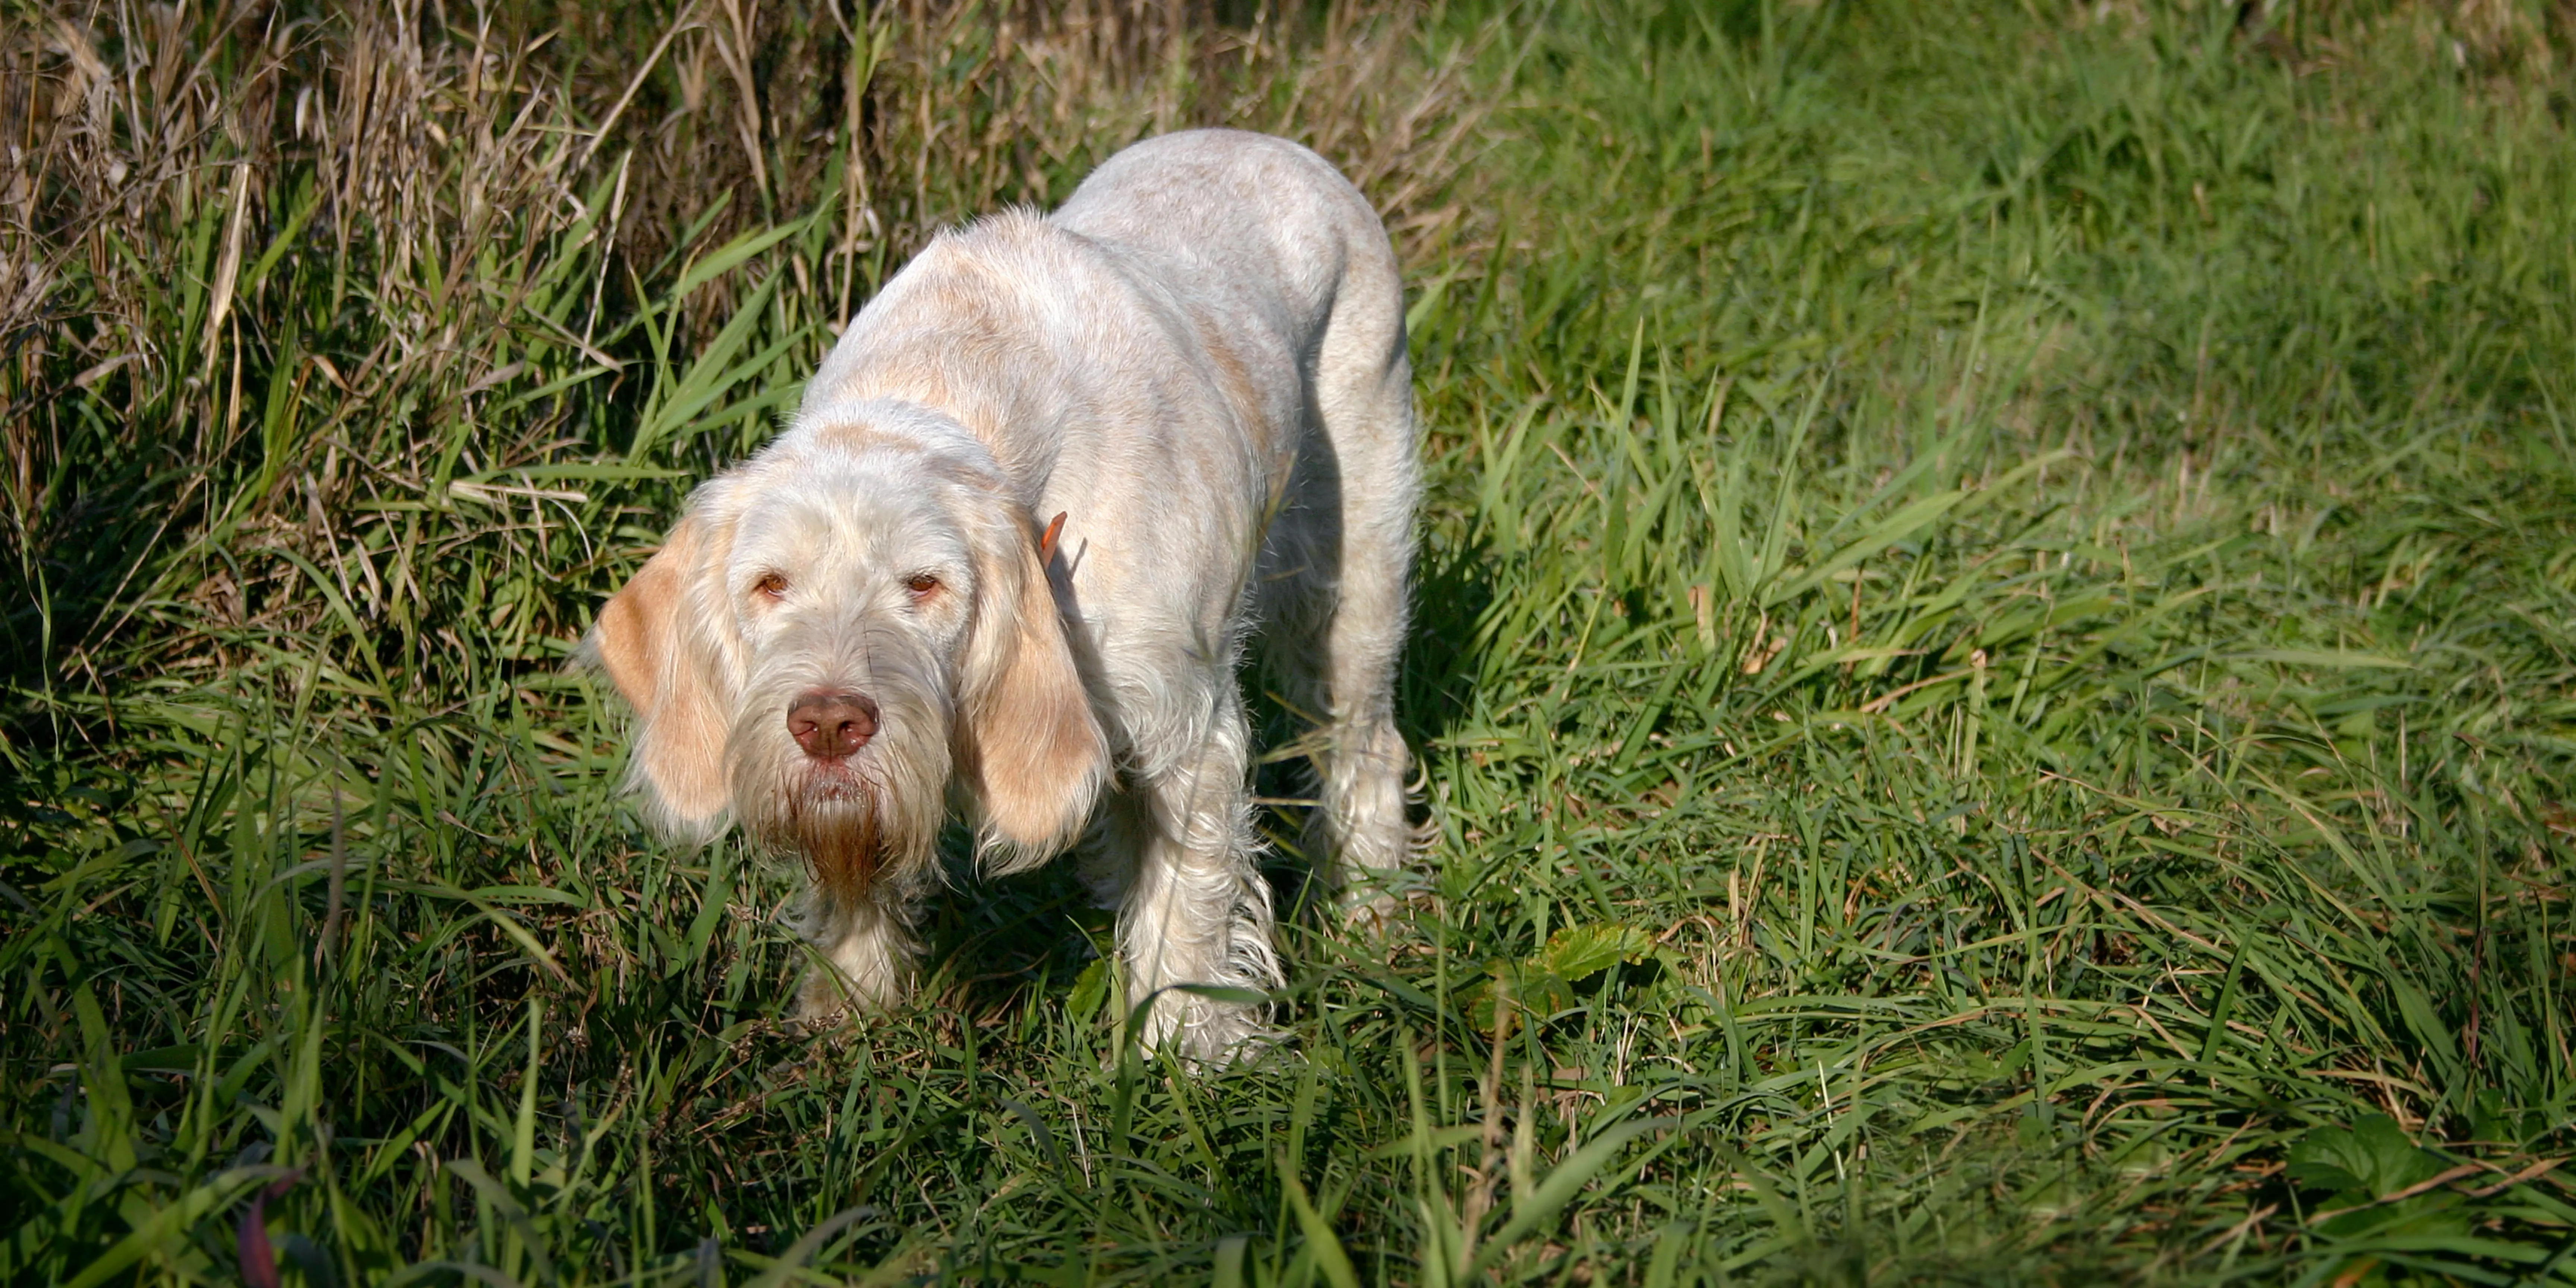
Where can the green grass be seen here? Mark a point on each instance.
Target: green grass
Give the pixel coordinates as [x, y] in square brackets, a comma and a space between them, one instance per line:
[1996, 681]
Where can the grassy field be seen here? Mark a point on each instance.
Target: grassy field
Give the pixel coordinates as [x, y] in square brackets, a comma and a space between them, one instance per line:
[1996, 676]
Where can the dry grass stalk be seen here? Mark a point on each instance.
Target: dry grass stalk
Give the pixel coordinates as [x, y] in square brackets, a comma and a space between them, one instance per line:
[305, 293]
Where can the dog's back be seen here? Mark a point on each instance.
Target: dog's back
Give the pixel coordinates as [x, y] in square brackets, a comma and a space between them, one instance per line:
[1215, 274]
[1255, 221]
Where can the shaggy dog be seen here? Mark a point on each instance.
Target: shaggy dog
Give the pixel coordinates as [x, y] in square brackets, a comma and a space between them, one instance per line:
[1007, 560]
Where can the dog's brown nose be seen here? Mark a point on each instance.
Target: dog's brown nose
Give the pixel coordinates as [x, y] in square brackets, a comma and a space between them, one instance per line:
[831, 725]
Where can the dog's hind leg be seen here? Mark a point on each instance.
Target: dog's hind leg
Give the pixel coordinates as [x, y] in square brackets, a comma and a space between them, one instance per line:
[1364, 398]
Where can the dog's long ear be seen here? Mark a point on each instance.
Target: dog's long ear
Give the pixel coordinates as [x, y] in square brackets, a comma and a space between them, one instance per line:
[651, 644]
[1028, 746]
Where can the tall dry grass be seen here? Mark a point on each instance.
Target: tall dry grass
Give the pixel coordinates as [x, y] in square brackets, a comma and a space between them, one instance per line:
[312, 320]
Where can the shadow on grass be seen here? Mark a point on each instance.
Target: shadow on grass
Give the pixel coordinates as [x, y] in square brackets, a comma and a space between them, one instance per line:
[992, 944]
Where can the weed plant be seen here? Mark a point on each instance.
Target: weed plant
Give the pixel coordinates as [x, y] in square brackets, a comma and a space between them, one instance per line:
[1993, 675]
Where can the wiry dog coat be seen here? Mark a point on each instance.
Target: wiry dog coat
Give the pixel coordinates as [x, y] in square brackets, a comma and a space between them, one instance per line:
[1199, 363]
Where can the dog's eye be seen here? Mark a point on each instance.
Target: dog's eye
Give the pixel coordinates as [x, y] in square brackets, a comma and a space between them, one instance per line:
[770, 586]
[921, 584]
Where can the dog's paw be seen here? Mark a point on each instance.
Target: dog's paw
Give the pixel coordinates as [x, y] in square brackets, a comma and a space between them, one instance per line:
[1371, 914]
[824, 1026]
[1375, 904]
[1206, 1034]
[824, 1004]
[1230, 1037]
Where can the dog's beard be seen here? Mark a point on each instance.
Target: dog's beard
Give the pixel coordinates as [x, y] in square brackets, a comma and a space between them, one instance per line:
[833, 825]
[870, 816]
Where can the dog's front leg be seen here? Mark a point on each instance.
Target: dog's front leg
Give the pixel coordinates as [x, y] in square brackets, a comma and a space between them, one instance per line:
[1193, 907]
[865, 941]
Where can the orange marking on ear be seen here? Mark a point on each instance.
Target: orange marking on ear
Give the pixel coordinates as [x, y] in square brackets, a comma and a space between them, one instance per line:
[1046, 544]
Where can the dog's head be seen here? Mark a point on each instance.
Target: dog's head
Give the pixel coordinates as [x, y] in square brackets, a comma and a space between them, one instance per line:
[837, 633]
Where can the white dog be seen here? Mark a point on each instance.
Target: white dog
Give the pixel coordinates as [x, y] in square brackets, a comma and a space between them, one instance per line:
[1008, 557]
